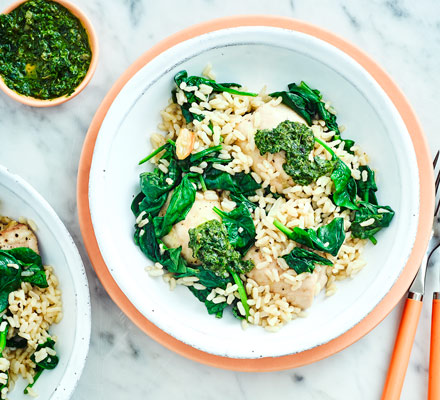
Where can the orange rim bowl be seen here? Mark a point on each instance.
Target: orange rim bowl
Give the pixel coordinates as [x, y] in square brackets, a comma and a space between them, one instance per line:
[387, 303]
[93, 41]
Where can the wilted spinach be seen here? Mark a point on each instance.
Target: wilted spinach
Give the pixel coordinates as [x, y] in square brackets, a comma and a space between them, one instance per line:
[378, 217]
[180, 204]
[182, 77]
[297, 140]
[50, 362]
[240, 183]
[242, 199]
[307, 102]
[157, 251]
[16, 342]
[240, 226]
[367, 189]
[327, 238]
[348, 143]
[212, 308]
[156, 185]
[211, 281]
[3, 340]
[154, 190]
[345, 185]
[302, 260]
[19, 265]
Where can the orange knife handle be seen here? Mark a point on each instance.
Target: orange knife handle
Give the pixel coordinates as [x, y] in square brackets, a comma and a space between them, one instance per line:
[434, 354]
[402, 349]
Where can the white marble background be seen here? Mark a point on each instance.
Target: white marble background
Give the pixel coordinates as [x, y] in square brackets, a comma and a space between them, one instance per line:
[403, 36]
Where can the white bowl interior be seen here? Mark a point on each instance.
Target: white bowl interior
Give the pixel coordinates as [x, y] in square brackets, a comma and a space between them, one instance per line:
[254, 57]
[57, 248]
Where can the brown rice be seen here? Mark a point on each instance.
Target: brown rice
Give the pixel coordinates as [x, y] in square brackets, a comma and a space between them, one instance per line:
[31, 312]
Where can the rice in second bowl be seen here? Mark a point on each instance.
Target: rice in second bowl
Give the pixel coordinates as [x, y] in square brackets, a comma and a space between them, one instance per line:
[275, 292]
[29, 315]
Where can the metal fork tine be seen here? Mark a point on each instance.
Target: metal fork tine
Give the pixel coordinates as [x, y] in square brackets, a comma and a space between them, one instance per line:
[437, 183]
[437, 207]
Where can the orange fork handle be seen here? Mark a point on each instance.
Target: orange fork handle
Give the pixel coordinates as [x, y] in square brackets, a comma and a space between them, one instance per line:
[402, 350]
[434, 354]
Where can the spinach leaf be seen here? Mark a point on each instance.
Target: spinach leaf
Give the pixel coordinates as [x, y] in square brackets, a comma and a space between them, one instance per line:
[212, 308]
[347, 198]
[25, 256]
[236, 312]
[328, 238]
[167, 148]
[302, 260]
[366, 189]
[210, 280]
[16, 342]
[35, 275]
[240, 183]
[209, 155]
[3, 337]
[171, 259]
[242, 199]
[156, 185]
[33, 270]
[348, 143]
[145, 237]
[345, 185]
[340, 176]
[240, 226]
[241, 290]
[3, 344]
[307, 103]
[50, 362]
[297, 104]
[10, 278]
[29, 268]
[297, 140]
[155, 191]
[181, 202]
[182, 77]
[135, 204]
[376, 217]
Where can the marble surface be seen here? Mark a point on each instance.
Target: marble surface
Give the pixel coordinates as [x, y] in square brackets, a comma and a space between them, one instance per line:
[403, 36]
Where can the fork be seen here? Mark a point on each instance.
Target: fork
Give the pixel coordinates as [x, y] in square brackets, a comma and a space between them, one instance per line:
[410, 318]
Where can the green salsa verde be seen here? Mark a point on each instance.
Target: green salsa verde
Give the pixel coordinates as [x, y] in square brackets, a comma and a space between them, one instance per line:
[44, 50]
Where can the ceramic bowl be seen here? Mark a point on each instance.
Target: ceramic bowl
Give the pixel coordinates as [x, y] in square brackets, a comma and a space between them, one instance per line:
[253, 56]
[93, 40]
[18, 198]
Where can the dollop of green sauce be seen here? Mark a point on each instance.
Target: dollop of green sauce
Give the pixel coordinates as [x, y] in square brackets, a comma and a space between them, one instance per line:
[297, 140]
[210, 245]
[44, 50]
